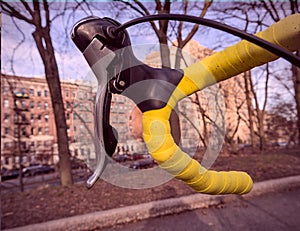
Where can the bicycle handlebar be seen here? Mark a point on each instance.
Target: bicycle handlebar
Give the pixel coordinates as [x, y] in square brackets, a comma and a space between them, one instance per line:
[220, 66]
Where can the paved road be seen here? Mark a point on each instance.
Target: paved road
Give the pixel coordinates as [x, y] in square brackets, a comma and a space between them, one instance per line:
[278, 211]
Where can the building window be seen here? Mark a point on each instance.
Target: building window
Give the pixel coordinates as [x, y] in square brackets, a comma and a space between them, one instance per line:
[75, 128]
[45, 93]
[32, 144]
[32, 131]
[80, 94]
[39, 144]
[39, 105]
[6, 160]
[5, 89]
[23, 131]
[40, 131]
[6, 145]
[23, 90]
[39, 93]
[74, 94]
[39, 117]
[6, 103]
[31, 91]
[68, 116]
[6, 117]
[16, 118]
[46, 131]
[23, 118]
[68, 105]
[68, 128]
[6, 131]
[24, 159]
[32, 117]
[31, 104]
[67, 93]
[23, 103]
[46, 118]
[47, 143]
[16, 132]
[46, 106]
[23, 145]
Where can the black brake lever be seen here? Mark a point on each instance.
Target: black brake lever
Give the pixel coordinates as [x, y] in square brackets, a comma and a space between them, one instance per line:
[96, 39]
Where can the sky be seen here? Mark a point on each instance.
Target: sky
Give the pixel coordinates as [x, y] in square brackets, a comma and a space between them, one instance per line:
[18, 44]
[19, 54]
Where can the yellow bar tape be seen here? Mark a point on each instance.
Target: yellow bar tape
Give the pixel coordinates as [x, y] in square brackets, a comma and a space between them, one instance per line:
[220, 66]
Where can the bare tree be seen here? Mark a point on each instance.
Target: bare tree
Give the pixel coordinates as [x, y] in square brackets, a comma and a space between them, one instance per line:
[37, 14]
[246, 77]
[260, 112]
[259, 14]
[277, 10]
[161, 30]
[296, 81]
[281, 125]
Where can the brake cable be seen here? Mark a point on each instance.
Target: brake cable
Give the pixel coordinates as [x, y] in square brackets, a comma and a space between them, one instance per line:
[277, 50]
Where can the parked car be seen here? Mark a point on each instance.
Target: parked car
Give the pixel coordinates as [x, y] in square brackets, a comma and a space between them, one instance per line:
[140, 164]
[120, 158]
[9, 174]
[78, 164]
[38, 170]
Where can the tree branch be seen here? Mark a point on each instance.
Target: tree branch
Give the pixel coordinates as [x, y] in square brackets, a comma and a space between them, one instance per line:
[9, 10]
[147, 13]
[179, 34]
[47, 13]
[270, 11]
[143, 12]
[207, 4]
[27, 7]
[36, 16]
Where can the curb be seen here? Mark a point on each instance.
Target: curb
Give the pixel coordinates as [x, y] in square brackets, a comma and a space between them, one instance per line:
[109, 218]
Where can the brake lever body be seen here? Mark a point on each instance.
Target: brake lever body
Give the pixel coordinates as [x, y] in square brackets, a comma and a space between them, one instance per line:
[119, 71]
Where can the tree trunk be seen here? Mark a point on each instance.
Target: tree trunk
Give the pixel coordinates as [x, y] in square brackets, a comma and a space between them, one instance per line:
[249, 107]
[296, 79]
[164, 50]
[44, 44]
[261, 130]
[178, 57]
[260, 113]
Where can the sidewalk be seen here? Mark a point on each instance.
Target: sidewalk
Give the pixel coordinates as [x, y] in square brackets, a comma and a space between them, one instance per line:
[112, 217]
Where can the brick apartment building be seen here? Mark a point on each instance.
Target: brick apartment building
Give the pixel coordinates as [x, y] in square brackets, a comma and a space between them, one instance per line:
[26, 111]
